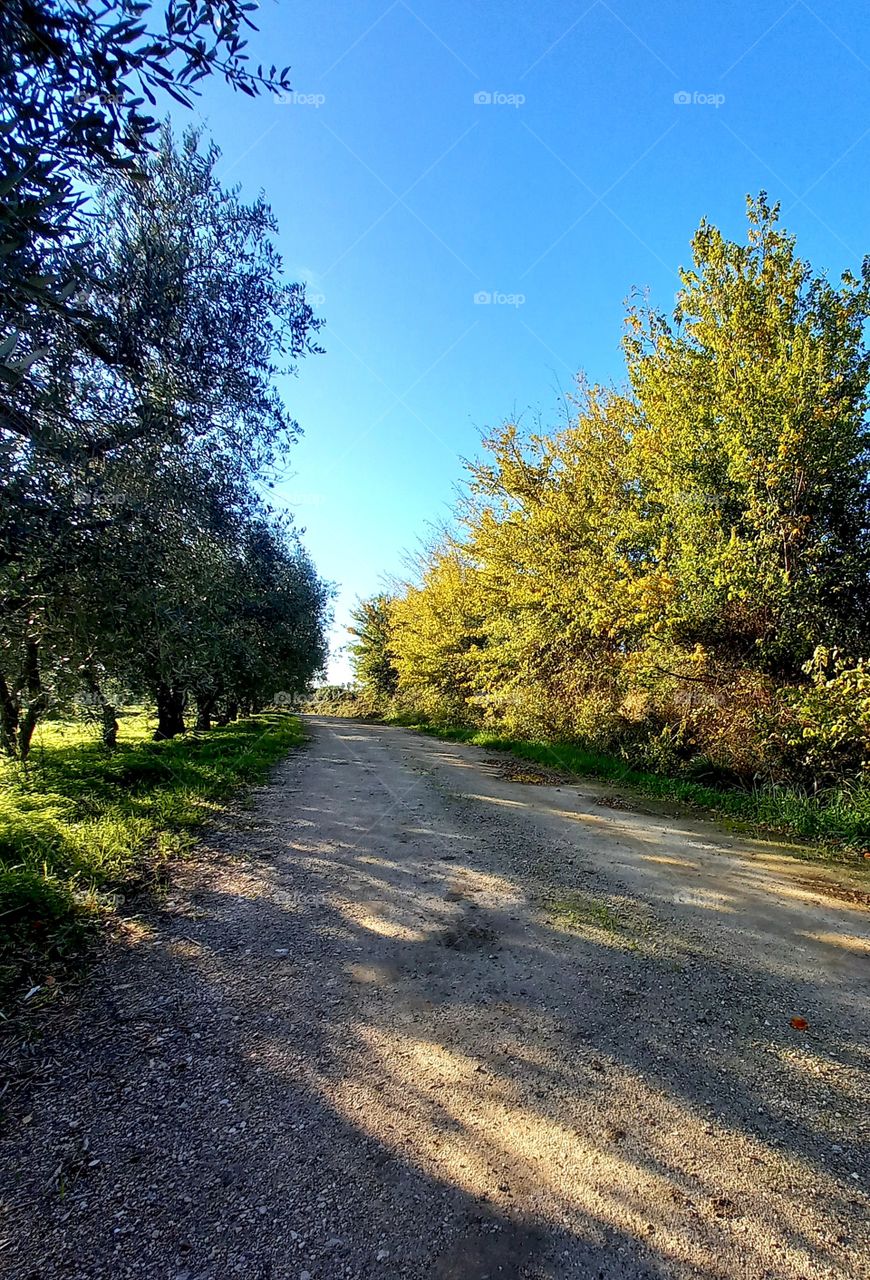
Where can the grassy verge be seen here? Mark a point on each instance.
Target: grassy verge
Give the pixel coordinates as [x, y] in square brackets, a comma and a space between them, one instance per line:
[79, 826]
[836, 822]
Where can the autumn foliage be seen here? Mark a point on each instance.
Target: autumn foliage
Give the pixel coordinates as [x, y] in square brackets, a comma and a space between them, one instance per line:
[679, 572]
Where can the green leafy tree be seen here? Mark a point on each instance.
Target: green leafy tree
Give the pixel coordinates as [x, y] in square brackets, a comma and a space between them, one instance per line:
[129, 494]
[439, 636]
[370, 651]
[76, 81]
[752, 451]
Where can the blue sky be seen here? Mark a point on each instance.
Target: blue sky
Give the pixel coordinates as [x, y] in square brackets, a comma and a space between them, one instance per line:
[581, 175]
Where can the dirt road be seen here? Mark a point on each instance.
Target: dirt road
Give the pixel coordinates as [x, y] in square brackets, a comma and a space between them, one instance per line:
[412, 1017]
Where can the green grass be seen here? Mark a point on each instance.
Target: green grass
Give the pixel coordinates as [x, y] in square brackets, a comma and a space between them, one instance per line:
[79, 826]
[579, 910]
[836, 823]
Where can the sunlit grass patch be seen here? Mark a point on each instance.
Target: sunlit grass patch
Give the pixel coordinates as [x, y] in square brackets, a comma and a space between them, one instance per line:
[576, 910]
[619, 922]
[80, 826]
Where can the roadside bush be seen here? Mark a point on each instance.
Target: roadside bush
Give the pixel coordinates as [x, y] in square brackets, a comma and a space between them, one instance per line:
[830, 733]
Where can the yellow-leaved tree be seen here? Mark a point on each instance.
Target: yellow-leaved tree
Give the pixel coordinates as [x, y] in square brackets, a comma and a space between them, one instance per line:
[655, 575]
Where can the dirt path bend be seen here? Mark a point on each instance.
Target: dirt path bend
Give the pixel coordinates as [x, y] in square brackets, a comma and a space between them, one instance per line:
[409, 1017]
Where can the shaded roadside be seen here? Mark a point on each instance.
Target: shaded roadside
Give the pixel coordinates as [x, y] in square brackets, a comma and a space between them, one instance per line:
[411, 1019]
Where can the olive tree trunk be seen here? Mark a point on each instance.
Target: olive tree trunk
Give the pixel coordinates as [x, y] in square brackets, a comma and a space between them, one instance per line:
[170, 712]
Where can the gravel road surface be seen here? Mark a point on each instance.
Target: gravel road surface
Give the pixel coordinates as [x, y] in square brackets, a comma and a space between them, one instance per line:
[422, 1012]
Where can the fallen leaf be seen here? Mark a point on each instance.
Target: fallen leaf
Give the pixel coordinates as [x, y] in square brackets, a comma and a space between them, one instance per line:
[799, 1024]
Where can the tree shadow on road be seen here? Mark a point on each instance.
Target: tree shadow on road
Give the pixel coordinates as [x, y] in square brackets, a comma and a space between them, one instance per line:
[385, 1043]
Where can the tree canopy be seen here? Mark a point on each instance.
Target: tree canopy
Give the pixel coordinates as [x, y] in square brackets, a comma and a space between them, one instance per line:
[661, 574]
[78, 80]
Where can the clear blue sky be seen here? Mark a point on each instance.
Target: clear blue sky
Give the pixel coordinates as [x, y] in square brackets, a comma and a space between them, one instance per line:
[400, 197]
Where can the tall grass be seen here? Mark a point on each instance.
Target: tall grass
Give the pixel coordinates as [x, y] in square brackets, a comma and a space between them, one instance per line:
[837, 819]
[79, 825]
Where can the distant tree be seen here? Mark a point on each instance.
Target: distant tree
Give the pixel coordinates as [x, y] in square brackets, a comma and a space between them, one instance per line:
[439, 636]
[370, 651]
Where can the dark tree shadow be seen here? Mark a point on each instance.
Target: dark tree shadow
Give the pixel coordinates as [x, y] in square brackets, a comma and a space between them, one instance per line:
[379, 1055]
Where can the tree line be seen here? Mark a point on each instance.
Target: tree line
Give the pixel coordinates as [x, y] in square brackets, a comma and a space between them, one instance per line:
[679, 572]
[145, 320]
